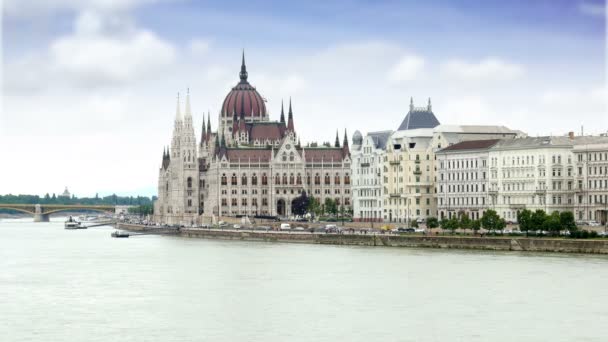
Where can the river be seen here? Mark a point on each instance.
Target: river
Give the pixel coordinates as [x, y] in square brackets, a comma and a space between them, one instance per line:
[83, 285]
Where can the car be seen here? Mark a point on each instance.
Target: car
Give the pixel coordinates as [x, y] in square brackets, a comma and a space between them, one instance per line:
[262, 228]
[299, 228]
[420, 230]
[405, 230]
[421, 220]
[285, 226]
[594, 224]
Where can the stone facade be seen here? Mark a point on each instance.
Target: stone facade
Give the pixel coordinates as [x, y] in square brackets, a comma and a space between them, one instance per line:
[249, 166]
[366, 169]
[591, 181]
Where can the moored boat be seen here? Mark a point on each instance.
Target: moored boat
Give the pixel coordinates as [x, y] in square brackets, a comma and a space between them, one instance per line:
[73, 224]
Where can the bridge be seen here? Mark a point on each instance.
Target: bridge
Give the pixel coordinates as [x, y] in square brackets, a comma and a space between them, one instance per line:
[41, 212]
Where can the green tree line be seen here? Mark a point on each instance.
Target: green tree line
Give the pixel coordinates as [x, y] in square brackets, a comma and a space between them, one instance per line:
[54, 199]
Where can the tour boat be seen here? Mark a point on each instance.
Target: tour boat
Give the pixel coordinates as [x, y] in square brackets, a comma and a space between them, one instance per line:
[73, 224]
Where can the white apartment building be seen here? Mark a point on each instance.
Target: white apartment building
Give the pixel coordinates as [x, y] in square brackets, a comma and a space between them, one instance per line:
[533, 173]
[591, 184]
[463, 178]
[410, 167]
[366, 171]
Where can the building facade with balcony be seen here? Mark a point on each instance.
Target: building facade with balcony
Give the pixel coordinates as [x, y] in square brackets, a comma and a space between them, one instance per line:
[591, 182]
[366, 169]
[463, 179]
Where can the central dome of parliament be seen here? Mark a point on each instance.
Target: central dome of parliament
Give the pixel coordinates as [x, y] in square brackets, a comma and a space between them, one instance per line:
[244, 99]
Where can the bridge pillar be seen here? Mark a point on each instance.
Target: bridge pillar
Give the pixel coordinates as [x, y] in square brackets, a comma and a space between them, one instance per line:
[39, 216]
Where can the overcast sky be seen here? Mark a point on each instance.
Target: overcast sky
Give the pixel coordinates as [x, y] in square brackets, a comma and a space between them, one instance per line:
[89, 86]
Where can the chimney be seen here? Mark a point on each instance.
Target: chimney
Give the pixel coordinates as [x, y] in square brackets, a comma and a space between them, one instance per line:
[571, 135]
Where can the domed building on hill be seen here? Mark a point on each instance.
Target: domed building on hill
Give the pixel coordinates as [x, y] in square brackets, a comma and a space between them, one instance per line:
[250, 166]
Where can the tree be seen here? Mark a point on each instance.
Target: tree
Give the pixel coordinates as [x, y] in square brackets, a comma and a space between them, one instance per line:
[330, 206]
[566, 218]
[432, 222]
[501, 225]
[450, 224]
[524, 218]
[299, 205]
[465, 222]
[414, 224]
[490, 220]
[538, 219]
[552, 223]
[475, 225]
[314, 206]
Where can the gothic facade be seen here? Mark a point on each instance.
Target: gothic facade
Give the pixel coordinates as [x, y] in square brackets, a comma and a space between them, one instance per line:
[249, 166]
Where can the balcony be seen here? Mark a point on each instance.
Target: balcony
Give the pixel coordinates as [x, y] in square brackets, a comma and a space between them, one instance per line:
[364, 164]
[493, 192]
[394, 194]
[417, 161]
[394, 162]
[540, 191]
[417, 172]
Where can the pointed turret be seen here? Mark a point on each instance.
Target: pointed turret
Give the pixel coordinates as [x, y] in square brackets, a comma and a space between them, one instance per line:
[429, 107]
[203, 132]
[411, 104]
[290, 118]
[188, 111]
[243, 73]
[345, 143]
[282, 113]
[178, 113]
[208, 125]
[337, 143]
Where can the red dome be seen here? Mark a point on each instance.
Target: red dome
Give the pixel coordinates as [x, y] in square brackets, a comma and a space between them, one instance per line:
[243, 99]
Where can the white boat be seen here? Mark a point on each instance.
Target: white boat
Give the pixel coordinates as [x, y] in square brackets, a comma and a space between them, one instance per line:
[73, 224]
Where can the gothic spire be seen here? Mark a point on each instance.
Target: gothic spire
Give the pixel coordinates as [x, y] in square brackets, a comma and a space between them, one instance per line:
[290, 118]
[337, 143]
[208, 125]
[203, 131]
[243, 73]
[411, 104]
[282, 113]
[429, 107]
[178, 114]
[345, 142]
[188, 111]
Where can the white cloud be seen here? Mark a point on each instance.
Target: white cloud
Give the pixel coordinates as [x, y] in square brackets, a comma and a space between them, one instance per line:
[595, 9]
[199, 47]
[408, 68]
[489, 69]
[467, 110]
[93, 58]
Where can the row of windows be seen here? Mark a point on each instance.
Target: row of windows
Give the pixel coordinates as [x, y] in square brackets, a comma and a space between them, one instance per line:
[291, 179]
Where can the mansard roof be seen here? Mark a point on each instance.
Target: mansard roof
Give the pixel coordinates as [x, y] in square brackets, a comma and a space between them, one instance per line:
[266, 130]
[419, 118]
[380, 138]
[471, 145]
[249, 154]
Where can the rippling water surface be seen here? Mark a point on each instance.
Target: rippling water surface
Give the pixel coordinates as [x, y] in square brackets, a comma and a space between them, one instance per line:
[60, 285]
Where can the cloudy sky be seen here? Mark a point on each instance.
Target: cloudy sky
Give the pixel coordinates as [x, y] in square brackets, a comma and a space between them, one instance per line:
[89, 86]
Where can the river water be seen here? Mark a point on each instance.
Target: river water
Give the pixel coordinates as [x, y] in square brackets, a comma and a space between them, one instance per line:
[65, 285]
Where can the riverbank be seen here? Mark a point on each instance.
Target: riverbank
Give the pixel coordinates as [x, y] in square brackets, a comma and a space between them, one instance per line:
[553, 245]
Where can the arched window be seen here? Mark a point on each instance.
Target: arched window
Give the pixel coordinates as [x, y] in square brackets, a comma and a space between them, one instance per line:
[264, 179]
[189, 181]
[284, 156]
[317, 179]
[346, 179]
[277, 179]
[298, 179]
[244, 179]
[327, 179]
[224, 180]
[308, 179]
[284, 178]
[167, 187]
[254, 179]
[291, 156]
[233, 180]
[291, 178]
[337, 179]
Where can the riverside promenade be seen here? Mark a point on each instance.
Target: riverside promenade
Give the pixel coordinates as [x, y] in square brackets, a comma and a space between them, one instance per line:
[493, 243]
